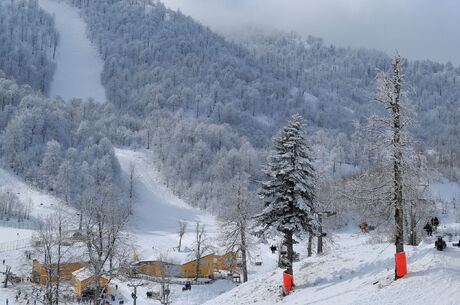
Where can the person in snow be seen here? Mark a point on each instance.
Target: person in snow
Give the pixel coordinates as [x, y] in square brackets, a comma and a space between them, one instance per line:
[440, 244]
[435, 223]
[363, 227]
[429, 229]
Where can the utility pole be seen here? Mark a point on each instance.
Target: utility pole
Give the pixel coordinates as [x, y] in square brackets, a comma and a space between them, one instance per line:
[320, 229]
[134, 294]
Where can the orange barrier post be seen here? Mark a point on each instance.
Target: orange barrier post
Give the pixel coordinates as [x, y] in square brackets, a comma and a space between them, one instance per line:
[287, 281]
[401, 264]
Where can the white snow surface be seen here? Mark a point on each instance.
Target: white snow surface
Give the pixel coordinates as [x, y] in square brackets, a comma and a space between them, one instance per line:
[79, 65]
[154, 222]
[359, 272]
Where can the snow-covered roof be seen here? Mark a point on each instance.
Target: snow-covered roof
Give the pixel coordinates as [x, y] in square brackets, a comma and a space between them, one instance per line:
[69, 254]
[82, 273]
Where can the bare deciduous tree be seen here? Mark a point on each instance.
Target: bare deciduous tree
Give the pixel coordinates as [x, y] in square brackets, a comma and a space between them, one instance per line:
[201, 246]
[182, 229]
[106, 213]
[50, 244]
[237, 221]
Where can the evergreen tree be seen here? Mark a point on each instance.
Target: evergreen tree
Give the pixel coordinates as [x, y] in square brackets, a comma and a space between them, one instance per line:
[289, 192]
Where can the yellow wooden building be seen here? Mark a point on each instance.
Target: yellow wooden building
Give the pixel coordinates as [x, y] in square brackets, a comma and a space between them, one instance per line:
[206, 268]
[158, 268]
[65, 271]
[84, 282]
[208, 264]
[227, 261]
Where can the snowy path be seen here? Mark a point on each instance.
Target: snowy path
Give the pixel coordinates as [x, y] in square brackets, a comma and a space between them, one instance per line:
[79, 65]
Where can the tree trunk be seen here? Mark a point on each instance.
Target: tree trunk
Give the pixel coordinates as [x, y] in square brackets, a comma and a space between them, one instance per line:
[58, 282]
[413, 224]
[290, 251]
[244, 255]
[397, 163]
[310, 243]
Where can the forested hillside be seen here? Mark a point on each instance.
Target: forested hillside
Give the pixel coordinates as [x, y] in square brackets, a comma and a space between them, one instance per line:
[179, 85]
[28, 42]
[54, 145]
[342, 80]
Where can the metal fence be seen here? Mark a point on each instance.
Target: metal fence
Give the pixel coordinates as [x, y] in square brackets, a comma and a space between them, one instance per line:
[15, 245]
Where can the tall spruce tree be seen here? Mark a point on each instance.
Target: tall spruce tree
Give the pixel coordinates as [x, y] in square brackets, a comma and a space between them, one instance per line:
[289, 192]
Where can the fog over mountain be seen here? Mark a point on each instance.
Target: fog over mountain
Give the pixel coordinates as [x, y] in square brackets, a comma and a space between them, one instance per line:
[418, 29]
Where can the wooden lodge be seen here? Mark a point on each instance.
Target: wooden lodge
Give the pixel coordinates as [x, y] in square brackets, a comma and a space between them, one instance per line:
[39, 271]
[208, 265]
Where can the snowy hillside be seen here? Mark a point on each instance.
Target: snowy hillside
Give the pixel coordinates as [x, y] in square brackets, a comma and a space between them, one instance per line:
[42, 204]
[79, 66]
[359, 271]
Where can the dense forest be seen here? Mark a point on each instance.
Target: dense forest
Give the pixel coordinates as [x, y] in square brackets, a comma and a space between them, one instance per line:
[28, 42]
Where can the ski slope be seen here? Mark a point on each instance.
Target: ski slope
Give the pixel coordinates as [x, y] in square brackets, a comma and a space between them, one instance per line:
[79, 66]
[154, 222]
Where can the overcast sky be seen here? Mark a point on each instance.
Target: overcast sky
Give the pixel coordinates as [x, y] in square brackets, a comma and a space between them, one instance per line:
[418, 29]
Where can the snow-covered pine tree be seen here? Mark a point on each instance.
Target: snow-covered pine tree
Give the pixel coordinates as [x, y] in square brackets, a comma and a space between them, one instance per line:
[289, 192]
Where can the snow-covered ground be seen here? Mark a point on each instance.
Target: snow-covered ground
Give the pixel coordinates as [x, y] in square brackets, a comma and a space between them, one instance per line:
[357, 269]
[356, 272]
[79, 66]
[42, 204]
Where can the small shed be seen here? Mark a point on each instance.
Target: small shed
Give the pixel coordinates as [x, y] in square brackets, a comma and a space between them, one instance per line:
[84, 282]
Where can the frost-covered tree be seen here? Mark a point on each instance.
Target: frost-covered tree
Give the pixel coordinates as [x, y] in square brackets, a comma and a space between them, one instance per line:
[51, 162]
[29, 41]
[393, 124]
[289, 191]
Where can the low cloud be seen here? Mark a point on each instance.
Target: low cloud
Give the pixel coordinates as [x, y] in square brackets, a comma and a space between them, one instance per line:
[419, 29]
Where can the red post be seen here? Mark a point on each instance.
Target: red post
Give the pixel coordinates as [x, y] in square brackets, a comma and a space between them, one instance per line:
[401, 264]
[287, 281]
